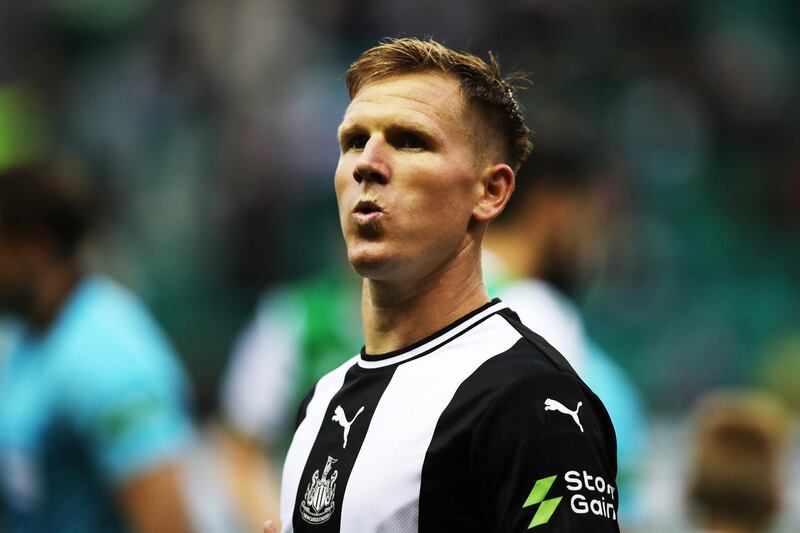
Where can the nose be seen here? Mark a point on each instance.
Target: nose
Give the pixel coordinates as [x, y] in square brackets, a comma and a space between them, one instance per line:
[373, 162]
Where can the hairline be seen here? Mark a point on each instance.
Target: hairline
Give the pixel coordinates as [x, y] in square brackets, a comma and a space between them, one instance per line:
[478, 126]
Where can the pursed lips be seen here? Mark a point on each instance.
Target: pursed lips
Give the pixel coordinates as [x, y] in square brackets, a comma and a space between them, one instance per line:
[366, 212]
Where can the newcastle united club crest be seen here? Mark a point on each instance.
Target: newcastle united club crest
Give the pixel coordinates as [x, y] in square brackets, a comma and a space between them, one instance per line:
[318, 505]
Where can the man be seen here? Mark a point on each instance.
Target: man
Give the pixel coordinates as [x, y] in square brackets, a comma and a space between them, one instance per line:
[92, 419]
[539, 255]
[740, 440]
[454, 416]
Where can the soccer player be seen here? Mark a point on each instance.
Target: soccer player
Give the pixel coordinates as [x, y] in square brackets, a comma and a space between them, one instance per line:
[454, 416]
[92, 416]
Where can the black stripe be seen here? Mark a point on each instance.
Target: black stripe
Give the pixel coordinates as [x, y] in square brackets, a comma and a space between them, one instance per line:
[545, 347]
[360, 389]
[561, 362]
[474, 478]
[301, 411]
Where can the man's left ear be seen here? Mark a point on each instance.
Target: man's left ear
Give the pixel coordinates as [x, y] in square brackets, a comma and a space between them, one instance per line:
[495, 186]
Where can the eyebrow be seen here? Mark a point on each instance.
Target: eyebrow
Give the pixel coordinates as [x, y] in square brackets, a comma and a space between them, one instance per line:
[400, 126]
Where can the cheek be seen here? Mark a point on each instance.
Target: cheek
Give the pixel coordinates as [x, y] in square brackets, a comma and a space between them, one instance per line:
[442, 206]
[342, 183]
[451, 194]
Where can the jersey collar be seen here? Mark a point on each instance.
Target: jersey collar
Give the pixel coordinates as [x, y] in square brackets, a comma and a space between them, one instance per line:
[433, 341]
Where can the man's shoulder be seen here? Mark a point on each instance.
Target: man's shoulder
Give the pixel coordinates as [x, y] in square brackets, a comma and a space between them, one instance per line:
[532, 357]
[107, 340]
[530, 367]
[531, 376]
[330, 379]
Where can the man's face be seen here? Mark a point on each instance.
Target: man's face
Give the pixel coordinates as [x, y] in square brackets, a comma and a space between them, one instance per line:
[407, 179]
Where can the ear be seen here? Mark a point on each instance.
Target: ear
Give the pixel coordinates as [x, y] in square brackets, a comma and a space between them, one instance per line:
[495, 185]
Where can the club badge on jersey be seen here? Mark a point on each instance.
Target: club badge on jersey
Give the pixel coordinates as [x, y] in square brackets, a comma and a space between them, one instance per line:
[318, 505]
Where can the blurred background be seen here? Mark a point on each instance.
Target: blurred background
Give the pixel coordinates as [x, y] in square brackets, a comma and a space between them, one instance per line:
[209, 128]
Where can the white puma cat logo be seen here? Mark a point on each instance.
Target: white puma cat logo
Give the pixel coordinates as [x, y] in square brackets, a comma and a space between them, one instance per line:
[555, 405]
[339, 416]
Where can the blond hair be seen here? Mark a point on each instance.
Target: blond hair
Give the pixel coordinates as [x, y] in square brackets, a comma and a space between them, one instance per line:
[482, 86]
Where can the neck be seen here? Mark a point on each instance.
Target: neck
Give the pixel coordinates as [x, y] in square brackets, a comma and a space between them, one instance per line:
[52, 292]
[398, 314]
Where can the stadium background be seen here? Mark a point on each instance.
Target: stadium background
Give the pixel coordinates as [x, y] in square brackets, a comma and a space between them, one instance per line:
[209, 127]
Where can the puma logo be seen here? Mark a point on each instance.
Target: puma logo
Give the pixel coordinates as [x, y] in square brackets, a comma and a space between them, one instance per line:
[339, 416]
[555, 405]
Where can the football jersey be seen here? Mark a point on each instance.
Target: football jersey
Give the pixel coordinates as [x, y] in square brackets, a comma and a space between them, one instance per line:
[482, 426]
[93, 401]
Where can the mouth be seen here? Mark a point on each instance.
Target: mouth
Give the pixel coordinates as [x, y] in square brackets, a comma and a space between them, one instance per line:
[366, 212]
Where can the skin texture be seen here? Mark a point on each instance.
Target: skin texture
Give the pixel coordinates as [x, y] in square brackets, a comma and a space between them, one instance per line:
[407, 147]
[251, 475]
[153, 502]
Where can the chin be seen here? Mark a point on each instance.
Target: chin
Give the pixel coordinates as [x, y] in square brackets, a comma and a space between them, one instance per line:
[370, 260]
[369, 267]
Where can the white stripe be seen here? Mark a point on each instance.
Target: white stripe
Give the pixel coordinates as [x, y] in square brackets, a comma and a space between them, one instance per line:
[433, 342]
[382, 493]
[304, 438]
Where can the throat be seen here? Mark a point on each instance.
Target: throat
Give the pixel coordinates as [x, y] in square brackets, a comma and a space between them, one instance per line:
[396, 317]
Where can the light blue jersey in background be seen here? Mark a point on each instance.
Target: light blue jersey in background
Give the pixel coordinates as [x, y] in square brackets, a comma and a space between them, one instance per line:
[86, 406]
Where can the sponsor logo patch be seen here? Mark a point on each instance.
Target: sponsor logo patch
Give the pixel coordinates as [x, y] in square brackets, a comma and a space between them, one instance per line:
[587, 494]
[546, 507]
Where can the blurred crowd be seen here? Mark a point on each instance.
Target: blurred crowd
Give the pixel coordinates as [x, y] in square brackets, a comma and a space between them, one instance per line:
[207, 130]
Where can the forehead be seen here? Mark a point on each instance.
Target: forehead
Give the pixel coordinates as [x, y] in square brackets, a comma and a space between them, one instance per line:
[417, 96]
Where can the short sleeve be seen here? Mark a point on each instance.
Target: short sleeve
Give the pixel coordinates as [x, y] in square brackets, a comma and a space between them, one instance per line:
[127, 399]
[259, 386]
[543, 453]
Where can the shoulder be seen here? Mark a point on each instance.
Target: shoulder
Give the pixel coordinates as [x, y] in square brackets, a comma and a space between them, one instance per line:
[325, 386]
[107, 346]
[531, 391]
[106, 320]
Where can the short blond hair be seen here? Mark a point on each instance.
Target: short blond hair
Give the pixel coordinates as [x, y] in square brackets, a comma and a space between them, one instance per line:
[482, 86]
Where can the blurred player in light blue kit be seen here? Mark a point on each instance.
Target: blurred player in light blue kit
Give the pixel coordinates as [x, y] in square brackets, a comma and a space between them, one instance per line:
[92, 412]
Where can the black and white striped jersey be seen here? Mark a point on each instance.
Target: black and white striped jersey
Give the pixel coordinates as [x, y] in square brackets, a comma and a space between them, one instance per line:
[482, 426]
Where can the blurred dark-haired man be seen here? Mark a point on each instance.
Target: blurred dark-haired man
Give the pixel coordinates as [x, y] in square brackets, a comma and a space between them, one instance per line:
[539, 256]
[454, 416]
[92, 414]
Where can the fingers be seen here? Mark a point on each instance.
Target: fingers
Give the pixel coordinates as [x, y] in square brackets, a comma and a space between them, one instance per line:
[269, 527]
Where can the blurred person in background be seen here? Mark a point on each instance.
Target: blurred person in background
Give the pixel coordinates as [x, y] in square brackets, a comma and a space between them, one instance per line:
[740, 444]
[300, 332]
[92, 401]
[540, 254]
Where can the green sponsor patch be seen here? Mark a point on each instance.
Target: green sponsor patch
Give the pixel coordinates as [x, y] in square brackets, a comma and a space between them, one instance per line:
[537, 496]
[129, 416]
